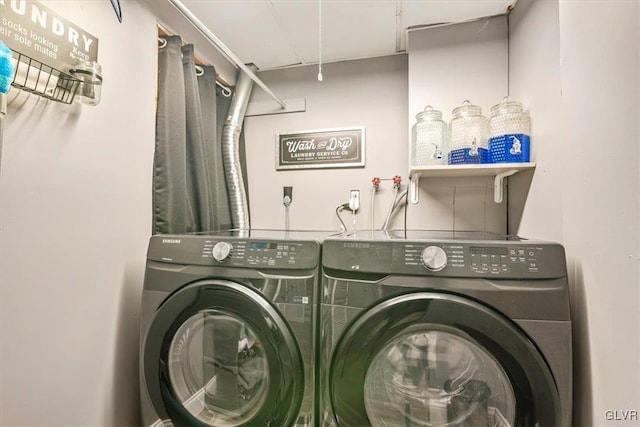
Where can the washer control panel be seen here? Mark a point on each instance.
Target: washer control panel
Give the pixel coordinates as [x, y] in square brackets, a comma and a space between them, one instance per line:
[470, 259]
[235, 252]
[520, 259]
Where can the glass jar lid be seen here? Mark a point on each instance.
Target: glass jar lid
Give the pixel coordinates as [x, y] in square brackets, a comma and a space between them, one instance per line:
[506, 107]
[466, 110]
[429, 113]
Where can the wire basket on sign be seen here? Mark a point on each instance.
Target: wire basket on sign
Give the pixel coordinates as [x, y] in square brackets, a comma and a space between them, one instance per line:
[35, 77]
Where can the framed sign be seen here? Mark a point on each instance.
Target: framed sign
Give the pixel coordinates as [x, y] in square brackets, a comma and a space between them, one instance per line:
[34, 30]
[320, 149]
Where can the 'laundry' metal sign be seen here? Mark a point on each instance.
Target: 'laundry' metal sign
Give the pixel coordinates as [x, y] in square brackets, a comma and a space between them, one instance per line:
[324, 148]
[36, 31]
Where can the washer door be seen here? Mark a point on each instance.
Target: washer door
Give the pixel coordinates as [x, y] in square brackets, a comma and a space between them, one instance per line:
[434, 359]
[217, 353]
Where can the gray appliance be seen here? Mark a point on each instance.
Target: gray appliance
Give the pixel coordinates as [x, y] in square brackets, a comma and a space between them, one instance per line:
[426, 328]
[228, 329]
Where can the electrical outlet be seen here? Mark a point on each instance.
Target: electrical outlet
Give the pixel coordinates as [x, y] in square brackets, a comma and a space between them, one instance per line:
[287, 195]
[354, 200]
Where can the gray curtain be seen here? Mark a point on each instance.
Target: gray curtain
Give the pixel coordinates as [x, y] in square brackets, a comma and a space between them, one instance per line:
[189, 188]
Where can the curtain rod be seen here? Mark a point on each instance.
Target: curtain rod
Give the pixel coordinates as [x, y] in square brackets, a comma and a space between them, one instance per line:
[224, 86]
[165, 32]
[223, 48]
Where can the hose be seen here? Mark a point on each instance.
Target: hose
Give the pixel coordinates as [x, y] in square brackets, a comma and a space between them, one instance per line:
[393, 202]
[373, 198]
[340, 209]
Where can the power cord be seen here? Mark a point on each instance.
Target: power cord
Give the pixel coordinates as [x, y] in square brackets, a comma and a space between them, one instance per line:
[287, 198]
[339, 209]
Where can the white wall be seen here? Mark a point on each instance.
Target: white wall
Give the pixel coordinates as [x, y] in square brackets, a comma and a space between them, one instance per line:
[75, 199]
[581, 82]
[448, 65]
[601, 216]
[370, 93]
[534, 80]
[445, 66]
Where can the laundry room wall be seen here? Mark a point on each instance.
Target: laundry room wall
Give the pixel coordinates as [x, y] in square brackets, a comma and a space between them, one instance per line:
[75, 200]
[442, 69]
[448, 65]
[369, 93]
[601, 216]
[581, 81]
[534, 80]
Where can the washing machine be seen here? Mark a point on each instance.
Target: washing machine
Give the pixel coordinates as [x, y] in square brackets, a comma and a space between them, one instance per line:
[228, 329]
[438, 328]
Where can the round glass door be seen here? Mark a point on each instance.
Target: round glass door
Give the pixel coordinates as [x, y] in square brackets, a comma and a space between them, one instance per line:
[431, 377]
[439, 359]
[218, 368]
[218, 353]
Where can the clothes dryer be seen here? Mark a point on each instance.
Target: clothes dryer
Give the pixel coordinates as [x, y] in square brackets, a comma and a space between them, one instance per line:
[423, 328]
[228, 329]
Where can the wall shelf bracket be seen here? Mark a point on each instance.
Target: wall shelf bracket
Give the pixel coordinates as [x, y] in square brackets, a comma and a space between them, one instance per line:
[414, 181]
[498, 185]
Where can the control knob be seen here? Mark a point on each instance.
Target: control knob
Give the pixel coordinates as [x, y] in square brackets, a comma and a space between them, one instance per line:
[222, 251]
[434, 258]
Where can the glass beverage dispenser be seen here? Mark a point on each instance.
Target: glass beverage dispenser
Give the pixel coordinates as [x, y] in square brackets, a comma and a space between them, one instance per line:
[510, 130]
[469, 131]
[429, 135]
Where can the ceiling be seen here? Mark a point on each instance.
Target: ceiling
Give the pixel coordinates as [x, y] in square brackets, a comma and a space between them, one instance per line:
[283, 33]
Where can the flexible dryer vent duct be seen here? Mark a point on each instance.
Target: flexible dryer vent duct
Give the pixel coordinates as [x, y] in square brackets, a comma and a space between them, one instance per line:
[231, 151]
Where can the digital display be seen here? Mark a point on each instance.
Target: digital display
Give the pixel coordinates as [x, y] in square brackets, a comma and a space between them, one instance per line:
[488, 250]
[262, 245]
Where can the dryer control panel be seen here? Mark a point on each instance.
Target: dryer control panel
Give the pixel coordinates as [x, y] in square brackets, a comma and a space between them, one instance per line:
[258, 253]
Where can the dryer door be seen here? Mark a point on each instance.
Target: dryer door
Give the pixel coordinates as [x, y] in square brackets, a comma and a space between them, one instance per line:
[218, 353]
[434, 359]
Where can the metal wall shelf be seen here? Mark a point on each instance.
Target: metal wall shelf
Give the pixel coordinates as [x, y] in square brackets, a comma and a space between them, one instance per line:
[40, 79]
[498, 170]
